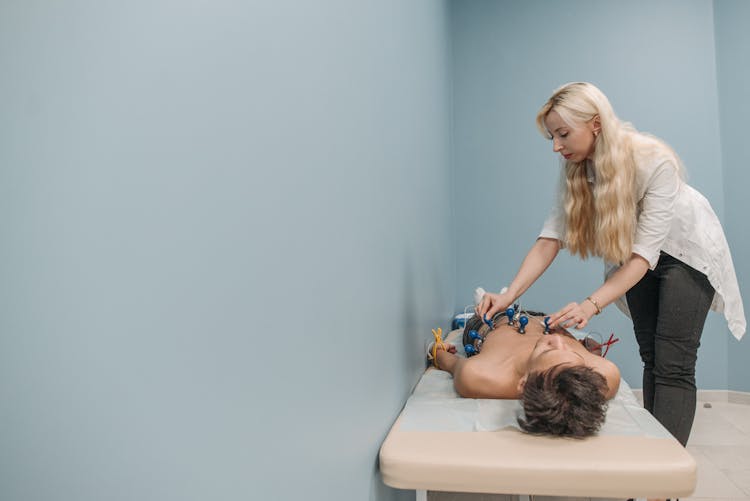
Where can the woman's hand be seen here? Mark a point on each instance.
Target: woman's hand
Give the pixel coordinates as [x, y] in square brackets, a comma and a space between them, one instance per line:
[573, 315]
[493, 303]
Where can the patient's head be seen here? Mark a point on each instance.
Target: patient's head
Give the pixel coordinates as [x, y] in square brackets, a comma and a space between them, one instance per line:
[565, 400]
[550, 351]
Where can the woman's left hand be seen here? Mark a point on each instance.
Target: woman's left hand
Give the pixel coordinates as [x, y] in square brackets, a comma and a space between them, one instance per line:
[573, 315]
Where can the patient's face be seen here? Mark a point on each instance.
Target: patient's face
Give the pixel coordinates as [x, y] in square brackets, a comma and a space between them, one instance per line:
[551, 350]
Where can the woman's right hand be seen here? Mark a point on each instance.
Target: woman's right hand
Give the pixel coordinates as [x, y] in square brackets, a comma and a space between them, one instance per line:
[492, 303]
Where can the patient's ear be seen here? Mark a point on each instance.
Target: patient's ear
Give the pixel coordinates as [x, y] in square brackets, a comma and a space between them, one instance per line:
[522, 383]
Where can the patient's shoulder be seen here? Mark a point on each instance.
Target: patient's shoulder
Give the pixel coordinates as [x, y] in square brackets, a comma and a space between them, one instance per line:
[611, 373]
[478, 378]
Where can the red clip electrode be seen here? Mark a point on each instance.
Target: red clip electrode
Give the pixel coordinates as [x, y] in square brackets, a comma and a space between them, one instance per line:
[609, 343]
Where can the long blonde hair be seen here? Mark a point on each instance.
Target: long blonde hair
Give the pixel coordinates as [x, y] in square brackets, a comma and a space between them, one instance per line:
[600, 221]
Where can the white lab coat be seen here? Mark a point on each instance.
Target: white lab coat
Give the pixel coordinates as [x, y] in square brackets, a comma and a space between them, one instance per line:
[675, 218]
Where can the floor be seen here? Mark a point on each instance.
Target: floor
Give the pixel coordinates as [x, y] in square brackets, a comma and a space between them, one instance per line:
[719, 442]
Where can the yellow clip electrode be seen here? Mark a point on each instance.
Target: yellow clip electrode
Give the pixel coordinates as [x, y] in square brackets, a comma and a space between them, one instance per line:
[438, 344]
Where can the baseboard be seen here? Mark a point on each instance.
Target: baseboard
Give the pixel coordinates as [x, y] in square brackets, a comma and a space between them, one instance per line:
[638, 394]
[733, 397]
[713, 395]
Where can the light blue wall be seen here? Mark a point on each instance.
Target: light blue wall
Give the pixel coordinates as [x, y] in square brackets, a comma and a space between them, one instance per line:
[733, 62]
[650, 58]
[227, 228]
[225, 235]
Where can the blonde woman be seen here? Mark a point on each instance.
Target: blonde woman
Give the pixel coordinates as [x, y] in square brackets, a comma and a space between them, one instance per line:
[623, 198]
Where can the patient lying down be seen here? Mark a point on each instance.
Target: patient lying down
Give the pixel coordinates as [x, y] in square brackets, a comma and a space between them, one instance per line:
[562, 386]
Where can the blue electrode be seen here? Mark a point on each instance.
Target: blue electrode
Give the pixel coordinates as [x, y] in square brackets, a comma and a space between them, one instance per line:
[509, 313]
[470, 350]
[474, 335]
[488, 321]
[522, 324]
[546, 325]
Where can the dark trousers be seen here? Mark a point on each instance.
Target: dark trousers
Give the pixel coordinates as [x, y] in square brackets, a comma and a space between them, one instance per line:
[669, 308]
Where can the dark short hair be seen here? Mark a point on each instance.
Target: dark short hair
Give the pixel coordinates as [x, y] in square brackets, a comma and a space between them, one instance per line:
[569, 402]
